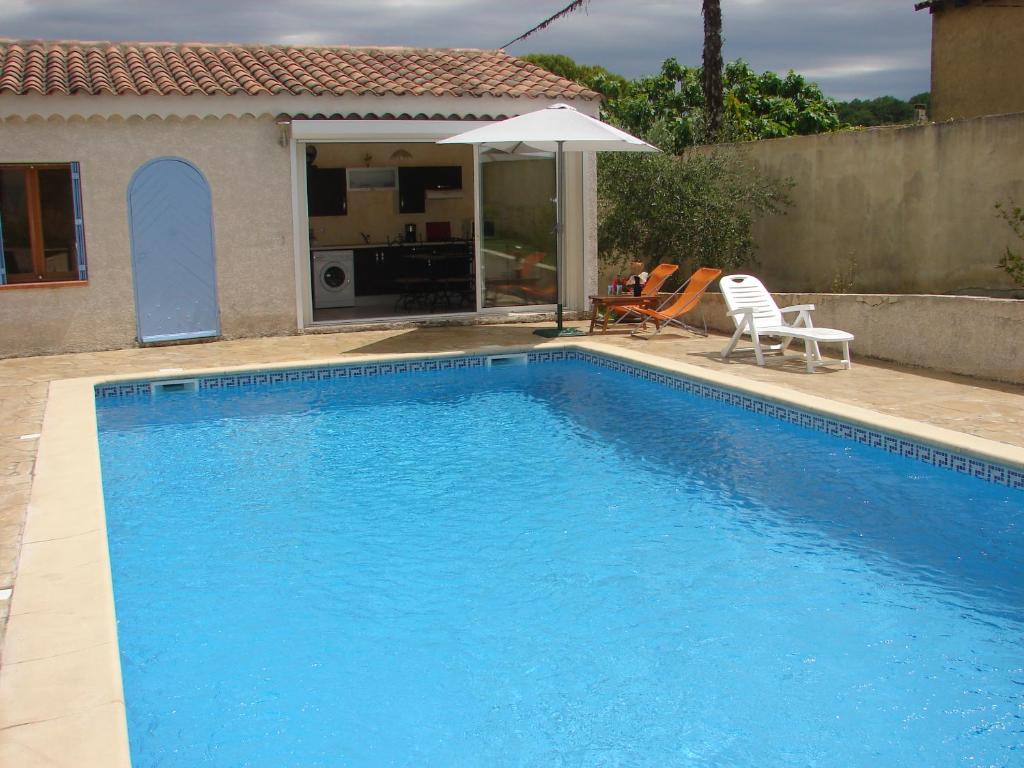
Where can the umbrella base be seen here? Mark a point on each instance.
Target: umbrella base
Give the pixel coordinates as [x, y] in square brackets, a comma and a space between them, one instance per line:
[559, 329]
[551, 333]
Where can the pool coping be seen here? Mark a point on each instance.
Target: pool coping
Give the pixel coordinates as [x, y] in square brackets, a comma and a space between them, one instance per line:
[61, 694]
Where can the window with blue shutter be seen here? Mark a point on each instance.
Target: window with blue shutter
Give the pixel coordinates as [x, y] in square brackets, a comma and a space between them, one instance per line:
[76, 195]
[42, 236]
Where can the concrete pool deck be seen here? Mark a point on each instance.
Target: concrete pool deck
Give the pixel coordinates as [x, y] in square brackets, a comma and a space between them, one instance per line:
[62, 618]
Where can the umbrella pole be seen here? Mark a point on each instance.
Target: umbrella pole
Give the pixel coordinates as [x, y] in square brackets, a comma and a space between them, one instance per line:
[560, 230]
[559, 329]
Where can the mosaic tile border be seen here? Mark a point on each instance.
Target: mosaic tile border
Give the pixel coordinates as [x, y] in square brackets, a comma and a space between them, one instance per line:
[934, 455]
[325, 373]
[901, 446]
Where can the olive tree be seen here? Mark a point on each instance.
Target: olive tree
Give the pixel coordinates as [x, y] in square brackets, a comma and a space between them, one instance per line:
[695, 209]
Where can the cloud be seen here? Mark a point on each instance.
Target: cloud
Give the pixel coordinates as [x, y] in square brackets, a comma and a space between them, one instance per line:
[867, 48]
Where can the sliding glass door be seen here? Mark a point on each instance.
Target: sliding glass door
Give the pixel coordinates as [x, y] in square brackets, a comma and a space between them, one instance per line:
[517, 241]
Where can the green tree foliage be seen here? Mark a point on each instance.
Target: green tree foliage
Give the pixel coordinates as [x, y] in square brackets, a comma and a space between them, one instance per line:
[699, 208]
[756, 106]
[695, 210]
[594, 77]
[766, 105]
[885, 110]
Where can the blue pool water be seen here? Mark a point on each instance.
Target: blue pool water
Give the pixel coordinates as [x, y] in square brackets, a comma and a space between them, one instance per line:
[549, 565]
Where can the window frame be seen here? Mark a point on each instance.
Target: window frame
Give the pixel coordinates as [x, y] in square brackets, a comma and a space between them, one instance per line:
[34, 211]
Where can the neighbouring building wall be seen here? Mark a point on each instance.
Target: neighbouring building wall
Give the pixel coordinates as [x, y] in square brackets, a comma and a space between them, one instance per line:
[249, 176]
[977, 58]
[902, 209]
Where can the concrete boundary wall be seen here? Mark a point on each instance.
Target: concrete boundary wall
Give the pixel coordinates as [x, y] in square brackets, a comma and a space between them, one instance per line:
[912, 207]
[953, 334]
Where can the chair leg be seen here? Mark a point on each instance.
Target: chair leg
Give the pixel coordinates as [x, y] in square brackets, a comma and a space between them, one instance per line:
[809, 357]
[733, 341]
[758, 352]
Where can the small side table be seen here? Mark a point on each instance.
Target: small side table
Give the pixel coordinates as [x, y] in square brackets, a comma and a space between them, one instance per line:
[623, 300]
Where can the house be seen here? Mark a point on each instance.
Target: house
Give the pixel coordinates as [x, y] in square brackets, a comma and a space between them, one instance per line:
[154, 192]
[977, 57]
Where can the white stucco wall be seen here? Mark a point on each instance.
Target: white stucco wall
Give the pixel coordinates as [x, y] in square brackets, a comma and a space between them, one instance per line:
[249, 176]
[256, 227]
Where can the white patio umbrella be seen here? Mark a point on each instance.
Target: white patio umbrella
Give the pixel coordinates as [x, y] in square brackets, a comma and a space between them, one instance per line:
[559, 129]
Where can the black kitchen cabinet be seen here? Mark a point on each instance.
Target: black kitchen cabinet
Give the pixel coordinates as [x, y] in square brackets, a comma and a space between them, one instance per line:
[326, 192]
[371, 271]
[411, 188]
[413, 182]
[379, 268]
[443, 177]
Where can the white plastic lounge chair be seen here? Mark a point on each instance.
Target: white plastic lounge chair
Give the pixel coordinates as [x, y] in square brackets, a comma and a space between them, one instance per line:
[756, 314]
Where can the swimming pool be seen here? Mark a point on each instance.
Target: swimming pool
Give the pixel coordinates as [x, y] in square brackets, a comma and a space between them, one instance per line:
[548, 564]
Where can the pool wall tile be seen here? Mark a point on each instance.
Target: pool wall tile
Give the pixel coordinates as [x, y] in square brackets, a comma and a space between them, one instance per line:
[935, 456]
[938, 457]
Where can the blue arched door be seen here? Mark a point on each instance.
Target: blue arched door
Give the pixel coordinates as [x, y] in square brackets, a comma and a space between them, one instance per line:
[173, 269]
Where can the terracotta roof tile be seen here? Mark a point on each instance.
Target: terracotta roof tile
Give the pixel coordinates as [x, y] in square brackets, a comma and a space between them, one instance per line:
[70, 67]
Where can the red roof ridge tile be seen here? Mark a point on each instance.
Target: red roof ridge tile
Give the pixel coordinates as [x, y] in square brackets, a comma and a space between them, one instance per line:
[231, 44]
[65, 67]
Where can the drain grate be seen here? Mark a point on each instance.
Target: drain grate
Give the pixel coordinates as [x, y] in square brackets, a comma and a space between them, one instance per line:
[177, 385]
[516, 359]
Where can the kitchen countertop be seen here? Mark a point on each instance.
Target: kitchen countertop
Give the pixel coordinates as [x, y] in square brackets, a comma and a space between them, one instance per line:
[349, 246]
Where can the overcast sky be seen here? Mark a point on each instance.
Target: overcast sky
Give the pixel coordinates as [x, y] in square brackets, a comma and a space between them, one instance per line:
[864, 48]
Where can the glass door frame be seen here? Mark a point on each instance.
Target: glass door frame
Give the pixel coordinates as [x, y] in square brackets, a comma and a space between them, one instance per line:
[478, 238]
[300, 132]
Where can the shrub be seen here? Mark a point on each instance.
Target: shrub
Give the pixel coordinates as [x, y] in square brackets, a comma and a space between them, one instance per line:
[1012, 262]
[694, 209]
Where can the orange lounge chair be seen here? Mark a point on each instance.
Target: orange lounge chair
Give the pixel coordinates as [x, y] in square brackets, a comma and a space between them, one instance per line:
[655, 280]
[603, 311]
[680, 303]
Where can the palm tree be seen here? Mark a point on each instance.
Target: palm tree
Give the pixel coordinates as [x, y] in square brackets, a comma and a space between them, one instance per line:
[712, 11]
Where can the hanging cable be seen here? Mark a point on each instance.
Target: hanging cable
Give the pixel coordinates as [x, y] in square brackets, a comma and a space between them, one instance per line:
[570, 8]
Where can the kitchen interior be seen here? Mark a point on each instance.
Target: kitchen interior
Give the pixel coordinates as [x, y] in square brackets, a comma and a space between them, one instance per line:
[390, 230]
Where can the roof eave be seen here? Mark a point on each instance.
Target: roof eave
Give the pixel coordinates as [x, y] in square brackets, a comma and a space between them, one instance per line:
[362, 107]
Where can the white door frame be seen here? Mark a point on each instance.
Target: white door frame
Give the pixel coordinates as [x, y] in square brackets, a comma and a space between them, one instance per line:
[304, 132]
[478, 228]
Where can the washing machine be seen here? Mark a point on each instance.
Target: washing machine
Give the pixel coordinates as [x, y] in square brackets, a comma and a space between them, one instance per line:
[334, 279]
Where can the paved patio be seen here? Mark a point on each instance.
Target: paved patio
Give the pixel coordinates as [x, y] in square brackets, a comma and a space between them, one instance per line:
[986, 409]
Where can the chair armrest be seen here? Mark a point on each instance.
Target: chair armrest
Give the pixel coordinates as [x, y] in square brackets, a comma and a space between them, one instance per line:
[798, 308]
[740, 311]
